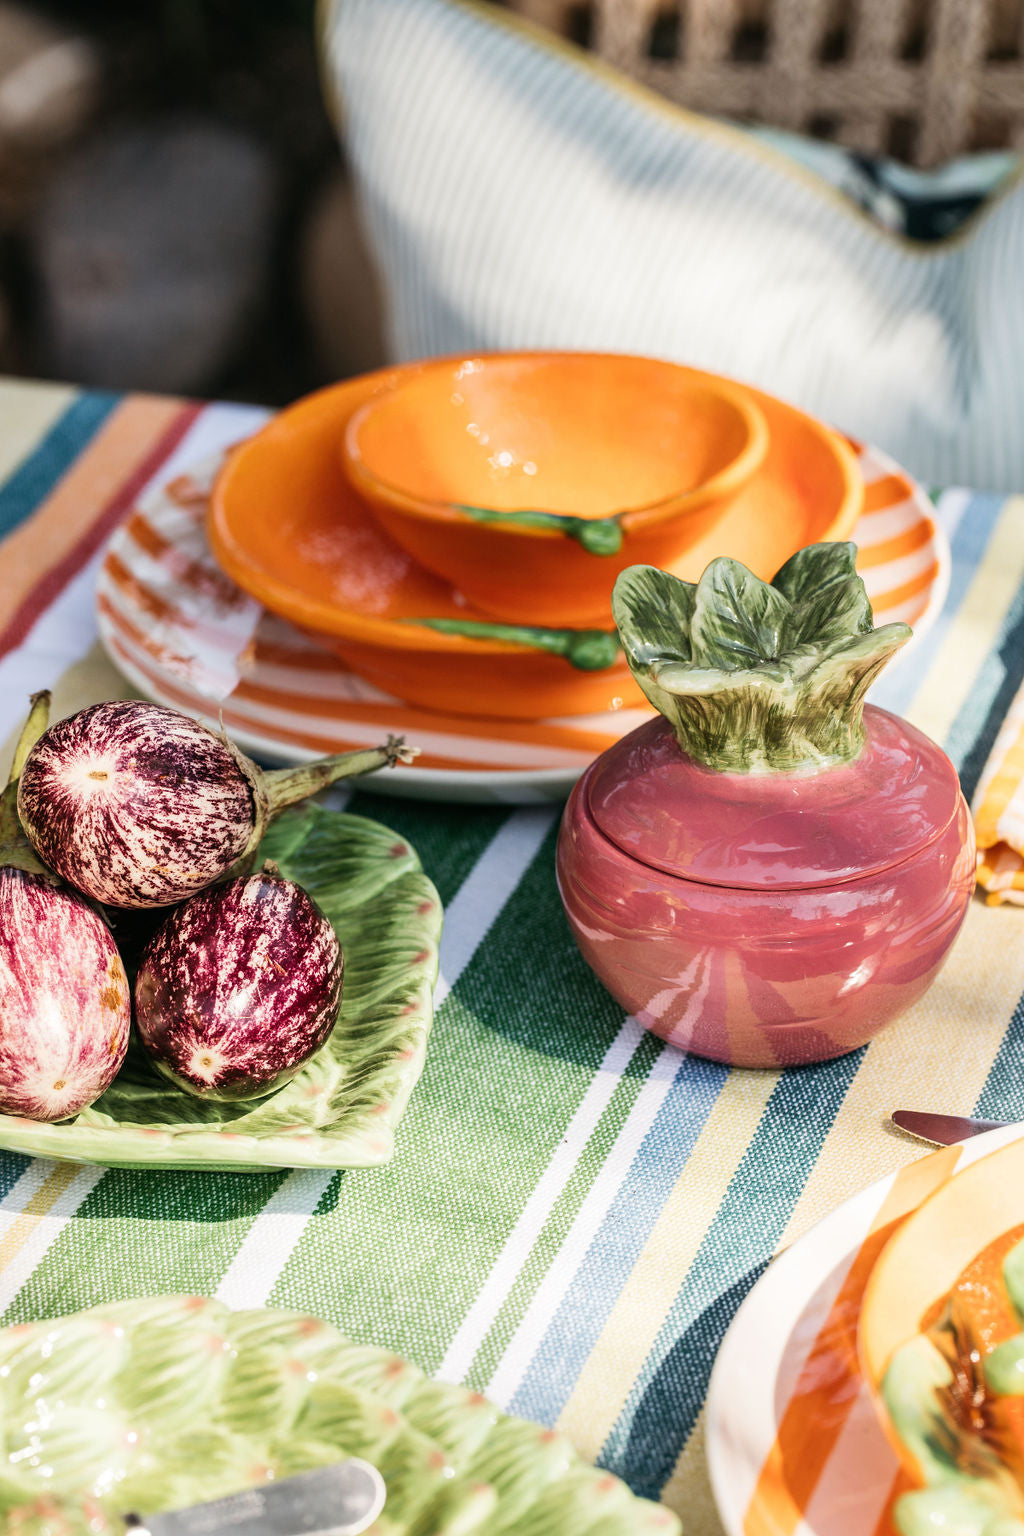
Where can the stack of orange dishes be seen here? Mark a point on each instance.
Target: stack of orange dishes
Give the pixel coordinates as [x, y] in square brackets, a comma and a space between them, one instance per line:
[452, 530]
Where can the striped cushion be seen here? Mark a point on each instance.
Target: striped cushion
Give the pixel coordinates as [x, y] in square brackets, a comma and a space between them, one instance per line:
[518, 194]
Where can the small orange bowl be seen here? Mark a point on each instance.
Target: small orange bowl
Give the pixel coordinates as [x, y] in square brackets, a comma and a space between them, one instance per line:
[290, 530]
[629, 450]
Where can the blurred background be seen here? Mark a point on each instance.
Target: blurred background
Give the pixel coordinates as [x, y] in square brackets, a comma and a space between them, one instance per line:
[174, 211]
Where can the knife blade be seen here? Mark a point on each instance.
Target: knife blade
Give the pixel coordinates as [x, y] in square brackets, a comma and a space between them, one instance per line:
[332, 1501]
[941, 1130]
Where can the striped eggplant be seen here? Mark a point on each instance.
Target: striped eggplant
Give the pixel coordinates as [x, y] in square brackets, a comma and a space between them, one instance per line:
[140, 806]
[65, 1006]
[239, 987]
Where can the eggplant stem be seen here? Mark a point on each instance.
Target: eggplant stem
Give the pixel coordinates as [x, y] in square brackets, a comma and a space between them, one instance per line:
[35, 725]
[285, 786]
[15, 848]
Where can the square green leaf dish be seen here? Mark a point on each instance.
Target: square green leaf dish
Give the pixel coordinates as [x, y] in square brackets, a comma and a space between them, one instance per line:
[342, 1108]
[158, 1404]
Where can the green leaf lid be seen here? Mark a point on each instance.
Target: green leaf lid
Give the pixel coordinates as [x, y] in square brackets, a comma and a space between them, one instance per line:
[765, 770]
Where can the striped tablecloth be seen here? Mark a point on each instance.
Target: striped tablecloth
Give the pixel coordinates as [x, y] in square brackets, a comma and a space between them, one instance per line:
[575, 1211]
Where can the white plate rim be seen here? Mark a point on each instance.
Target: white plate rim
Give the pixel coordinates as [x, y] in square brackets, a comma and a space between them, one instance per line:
[497, 785]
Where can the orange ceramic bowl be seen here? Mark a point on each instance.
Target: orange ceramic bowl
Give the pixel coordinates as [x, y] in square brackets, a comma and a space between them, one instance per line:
[289, 529]
[589, 436]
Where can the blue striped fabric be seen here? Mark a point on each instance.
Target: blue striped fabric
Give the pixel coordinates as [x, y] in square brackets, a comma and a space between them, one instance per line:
[518, 195]
[662, 1408]
[574, 1211]
[39, 472]
[968, 539]
[652, 1175]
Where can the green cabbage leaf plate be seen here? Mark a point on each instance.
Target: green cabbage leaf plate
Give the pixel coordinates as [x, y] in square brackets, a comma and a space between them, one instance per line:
[342, 1108]
[157, 1404]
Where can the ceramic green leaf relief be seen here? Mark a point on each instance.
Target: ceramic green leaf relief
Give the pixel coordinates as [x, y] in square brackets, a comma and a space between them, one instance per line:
[342, 1108]
[589, 650]
[597, 535]
[757, 676]
[157, 1404]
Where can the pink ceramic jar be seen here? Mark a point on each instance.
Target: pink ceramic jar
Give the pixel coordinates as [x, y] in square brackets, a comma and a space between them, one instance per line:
[764, 897]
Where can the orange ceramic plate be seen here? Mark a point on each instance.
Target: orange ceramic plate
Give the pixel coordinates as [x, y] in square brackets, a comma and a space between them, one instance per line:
[287, 527]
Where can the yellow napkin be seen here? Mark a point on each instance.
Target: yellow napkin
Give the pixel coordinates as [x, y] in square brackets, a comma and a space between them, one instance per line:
[998, 810]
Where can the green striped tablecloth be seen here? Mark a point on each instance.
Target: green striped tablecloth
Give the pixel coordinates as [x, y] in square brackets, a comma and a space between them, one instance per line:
[574, 1211]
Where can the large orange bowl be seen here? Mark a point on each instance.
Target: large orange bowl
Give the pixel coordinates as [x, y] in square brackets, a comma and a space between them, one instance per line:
[289, 528]
[630, 452]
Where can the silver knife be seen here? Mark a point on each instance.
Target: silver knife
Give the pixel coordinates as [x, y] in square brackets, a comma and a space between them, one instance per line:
[941, 1130]
[332, 1501]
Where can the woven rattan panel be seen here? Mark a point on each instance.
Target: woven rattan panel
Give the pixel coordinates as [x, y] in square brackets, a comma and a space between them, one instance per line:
[919, 79]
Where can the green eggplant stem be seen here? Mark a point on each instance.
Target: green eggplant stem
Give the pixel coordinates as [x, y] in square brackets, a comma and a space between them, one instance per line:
[15, 848]
[590, 650]
[285, 786]
[35, 725]
[597, 535]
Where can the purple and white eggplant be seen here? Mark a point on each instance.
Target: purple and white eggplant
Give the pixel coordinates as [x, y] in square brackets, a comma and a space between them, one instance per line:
[239, 987]
[65, 1007]
[140, 806]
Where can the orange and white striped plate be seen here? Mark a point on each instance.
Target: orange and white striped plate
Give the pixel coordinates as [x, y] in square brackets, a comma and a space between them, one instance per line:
[186, 636]
[794, 1446]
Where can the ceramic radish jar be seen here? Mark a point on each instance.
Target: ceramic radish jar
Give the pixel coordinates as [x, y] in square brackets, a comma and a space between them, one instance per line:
[772, 871]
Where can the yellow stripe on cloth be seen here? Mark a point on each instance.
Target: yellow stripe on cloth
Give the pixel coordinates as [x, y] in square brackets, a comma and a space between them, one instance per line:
[999, 802]
[27, 411]
[956, 1028]
[38, 1207]
[688, 1491]
[631, 1330]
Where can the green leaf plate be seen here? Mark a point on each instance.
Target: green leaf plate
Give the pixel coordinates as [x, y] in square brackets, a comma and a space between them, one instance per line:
[157, 1404]
[341, 1110]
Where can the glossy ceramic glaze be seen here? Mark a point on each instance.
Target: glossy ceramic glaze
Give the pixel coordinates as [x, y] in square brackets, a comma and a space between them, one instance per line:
[287, 527]
[166, 1401]
[588, 436]
[788, 917]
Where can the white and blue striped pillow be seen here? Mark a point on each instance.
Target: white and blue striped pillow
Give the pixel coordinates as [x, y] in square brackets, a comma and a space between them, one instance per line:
[518, 194]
